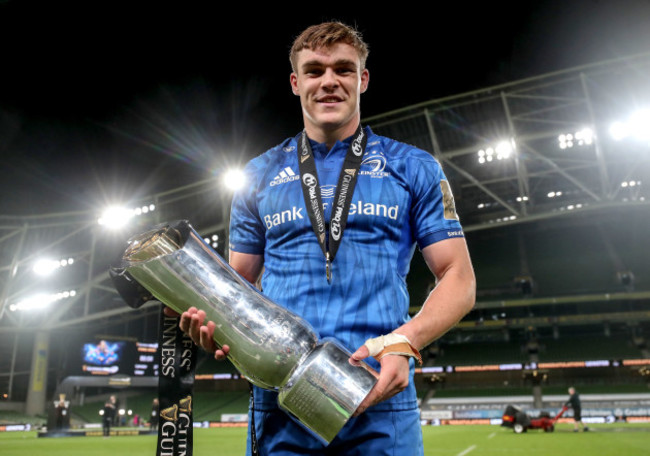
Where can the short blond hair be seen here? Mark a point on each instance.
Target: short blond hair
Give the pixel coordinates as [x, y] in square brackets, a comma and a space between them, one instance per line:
[326, 35]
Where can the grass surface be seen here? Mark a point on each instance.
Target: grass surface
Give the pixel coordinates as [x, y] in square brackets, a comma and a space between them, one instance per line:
[605, 440]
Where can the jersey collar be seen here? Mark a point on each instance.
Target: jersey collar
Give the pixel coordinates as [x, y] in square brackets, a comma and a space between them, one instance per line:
[320, 149]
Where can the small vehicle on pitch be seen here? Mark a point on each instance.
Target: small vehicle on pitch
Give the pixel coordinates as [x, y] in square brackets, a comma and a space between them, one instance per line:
[520, 421]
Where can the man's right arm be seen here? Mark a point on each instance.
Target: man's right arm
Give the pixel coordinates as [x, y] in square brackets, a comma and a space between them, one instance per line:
[193, 321]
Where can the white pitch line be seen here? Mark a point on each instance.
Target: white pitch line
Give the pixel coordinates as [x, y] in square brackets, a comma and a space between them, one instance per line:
[464, 452]
[492, 435]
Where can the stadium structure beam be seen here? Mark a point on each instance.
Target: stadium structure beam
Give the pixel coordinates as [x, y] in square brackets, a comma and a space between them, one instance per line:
[143, 311]
[562, 172]
[82, 292]
[60, 240]
[541, 173]
[568, 102]
[11, 373]
[15, 263]
[636, 166]
[91, 261]
[12, 272]
[600, 159]
[522, 137]
[15, 232]
[520, 165]
[467, 175]
[444, 101]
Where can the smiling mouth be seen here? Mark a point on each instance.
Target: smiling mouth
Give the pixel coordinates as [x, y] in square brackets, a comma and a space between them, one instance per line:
[329, 100]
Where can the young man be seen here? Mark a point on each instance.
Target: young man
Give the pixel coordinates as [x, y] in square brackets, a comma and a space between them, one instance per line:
[347, 278]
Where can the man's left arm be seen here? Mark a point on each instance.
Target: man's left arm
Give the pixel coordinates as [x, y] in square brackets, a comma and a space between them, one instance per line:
[451, 299]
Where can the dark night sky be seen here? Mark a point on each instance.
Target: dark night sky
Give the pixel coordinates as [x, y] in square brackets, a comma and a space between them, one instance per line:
[99, 100]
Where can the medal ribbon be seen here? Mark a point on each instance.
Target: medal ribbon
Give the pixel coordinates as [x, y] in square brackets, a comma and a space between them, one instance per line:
[342, 195]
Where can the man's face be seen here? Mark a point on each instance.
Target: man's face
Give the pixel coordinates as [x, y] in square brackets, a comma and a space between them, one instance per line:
[329, 82]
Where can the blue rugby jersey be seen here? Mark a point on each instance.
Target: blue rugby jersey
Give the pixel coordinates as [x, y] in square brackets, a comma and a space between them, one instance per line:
[401, 198]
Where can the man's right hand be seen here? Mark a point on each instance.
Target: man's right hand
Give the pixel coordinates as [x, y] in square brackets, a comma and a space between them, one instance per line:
[192, 320]
[192, 323]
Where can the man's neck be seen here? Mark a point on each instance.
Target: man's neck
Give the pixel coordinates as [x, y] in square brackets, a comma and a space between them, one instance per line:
[330, 137]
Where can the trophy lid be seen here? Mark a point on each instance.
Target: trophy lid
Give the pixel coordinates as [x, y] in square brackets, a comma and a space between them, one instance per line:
[161, 240]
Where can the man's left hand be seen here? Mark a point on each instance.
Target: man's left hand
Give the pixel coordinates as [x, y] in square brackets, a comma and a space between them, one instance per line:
[393, 378]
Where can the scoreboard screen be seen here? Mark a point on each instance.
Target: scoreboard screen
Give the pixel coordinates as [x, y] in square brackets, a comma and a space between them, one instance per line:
[110, 357]
[147, 361]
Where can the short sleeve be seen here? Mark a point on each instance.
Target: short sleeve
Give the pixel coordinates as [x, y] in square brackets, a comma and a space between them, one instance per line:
[246, 228]
[433, 211]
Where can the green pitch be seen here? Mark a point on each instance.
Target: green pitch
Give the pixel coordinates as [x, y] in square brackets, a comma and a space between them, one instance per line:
[605, 440]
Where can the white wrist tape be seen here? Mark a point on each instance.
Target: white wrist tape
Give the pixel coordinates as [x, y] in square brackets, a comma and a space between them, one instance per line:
[392, 344]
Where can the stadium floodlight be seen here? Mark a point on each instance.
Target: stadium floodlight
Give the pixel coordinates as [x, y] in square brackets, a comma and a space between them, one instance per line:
[45, 267]
[636, 127]
[504, 219]
[501, 151]
[144, 209]
[116, 217]
[234, 179]
[38, 301]
[640, 124]
[212, 240]
[619, 130]
[582, 137]
[41, 300]
[504, 149]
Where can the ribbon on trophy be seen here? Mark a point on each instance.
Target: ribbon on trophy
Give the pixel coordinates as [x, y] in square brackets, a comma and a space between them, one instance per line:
[177, 358]
[175, 382]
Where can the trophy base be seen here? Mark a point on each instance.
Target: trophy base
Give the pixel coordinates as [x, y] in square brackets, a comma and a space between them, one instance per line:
[325, 390]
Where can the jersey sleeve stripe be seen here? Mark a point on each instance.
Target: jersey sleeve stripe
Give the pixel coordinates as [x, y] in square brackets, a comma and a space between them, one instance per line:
[439, 235]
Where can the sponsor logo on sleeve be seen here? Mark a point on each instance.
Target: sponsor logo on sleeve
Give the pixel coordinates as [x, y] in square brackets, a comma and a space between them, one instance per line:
[448, 201]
